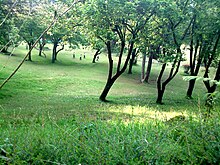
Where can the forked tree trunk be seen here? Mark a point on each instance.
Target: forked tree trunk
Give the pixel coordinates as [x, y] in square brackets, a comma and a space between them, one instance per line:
[55, 51]
[194, 68]
[161, 86]
[112, 78]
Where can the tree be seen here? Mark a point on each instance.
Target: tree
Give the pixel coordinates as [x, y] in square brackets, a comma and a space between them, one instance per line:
[175, 22]
[203, 40]
[31, 23]
[98, 46]
[63, 31]
[8, 33]
[120, 21]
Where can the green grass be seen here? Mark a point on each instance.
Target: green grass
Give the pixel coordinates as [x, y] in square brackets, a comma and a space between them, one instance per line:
[50, 114]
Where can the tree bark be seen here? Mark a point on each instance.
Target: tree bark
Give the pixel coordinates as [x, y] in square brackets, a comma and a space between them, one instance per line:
[55, 44]
[41, 46]
[98, 51]
[174, 70]
[149, 65]
[106, 90]
[29, 48]
[143, 65]
[133, 55]
[212, 88]
[160, 87]
[59, 51]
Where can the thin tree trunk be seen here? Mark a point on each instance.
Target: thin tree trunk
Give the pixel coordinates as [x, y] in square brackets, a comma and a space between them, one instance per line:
[110, 70]
[41, 47]
[132, 60]
[149, 65]
[54, 51]
[95, 55]
[160, 89]
[143, 66]
[29, 48]
[59, 51]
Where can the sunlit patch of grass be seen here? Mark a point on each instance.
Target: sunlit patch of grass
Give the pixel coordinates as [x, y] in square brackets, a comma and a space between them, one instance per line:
[142, 113]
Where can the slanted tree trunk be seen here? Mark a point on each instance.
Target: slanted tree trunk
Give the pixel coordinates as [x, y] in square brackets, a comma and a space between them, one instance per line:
[98, 51]
[133, 55]
[161, 86]
[112, 78]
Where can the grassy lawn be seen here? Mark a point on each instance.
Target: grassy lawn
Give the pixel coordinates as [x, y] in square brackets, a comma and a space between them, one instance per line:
[51, 114]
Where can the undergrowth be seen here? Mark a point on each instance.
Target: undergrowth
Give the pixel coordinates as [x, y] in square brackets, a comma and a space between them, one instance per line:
[76, 141]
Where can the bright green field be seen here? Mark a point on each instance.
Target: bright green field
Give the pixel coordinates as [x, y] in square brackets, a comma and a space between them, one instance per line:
[51, 114]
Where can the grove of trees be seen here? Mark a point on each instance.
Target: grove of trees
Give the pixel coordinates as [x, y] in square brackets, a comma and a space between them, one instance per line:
[156, 29]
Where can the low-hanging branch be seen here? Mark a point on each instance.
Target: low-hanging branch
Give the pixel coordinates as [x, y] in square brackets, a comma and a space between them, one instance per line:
[55, 19]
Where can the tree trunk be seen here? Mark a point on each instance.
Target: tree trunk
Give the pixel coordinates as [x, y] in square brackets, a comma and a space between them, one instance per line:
[54, 54]
[132, 61]
[59, 51]
[29, 48]
[106, 90]
[160, 94]
[194, 69]
[160, 87]
[149, 65]
[143, 66]
[41, 46]
[95, 55]
[190, 88]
